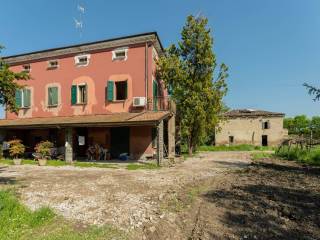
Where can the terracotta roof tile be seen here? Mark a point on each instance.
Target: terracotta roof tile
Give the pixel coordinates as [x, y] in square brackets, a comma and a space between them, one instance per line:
[115, 119]
[251, 113]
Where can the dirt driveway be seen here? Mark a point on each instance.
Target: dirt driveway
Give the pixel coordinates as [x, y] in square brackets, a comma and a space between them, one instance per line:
[126, 199]
[221, 195]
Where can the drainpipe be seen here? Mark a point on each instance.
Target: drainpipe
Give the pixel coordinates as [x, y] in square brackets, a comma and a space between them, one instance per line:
[146, 71]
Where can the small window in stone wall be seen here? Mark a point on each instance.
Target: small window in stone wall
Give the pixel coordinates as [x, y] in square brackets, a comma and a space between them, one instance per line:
[265, 125]
[231, 140]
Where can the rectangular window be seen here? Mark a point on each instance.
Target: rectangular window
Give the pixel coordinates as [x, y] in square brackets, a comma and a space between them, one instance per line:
[79, 94]
[23, 98]
[265, 125]
[27, 68]
[82, 60]
[82, 94]
[52, 64]
[52, 96]
[121, 90]
[120, 54]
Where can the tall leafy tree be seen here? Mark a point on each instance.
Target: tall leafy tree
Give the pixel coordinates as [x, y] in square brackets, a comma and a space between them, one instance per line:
[299, 125]
[188, 70]
[9, 85]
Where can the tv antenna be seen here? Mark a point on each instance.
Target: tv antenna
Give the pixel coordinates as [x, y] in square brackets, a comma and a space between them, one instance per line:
[79, 21]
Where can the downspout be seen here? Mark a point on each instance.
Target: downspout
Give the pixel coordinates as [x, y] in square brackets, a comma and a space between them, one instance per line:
[146, 72]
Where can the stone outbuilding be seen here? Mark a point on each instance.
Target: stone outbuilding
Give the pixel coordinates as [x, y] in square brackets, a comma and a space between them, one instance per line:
[248, 126]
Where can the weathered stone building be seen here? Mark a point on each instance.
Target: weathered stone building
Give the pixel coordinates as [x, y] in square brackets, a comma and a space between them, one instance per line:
[247, 126]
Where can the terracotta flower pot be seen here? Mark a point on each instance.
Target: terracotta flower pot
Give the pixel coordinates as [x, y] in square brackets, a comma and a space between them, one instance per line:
[42, 162]
[17, 161]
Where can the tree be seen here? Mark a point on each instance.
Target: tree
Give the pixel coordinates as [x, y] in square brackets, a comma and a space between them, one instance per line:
[299, 125]
[188, 70]
[313, 91]
[9, 85]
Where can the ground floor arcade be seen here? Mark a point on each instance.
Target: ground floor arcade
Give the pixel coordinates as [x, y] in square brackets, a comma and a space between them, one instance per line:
[140, 136]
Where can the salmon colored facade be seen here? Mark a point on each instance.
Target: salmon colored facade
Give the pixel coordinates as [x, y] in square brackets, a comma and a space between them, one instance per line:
[137, 68]
[100, 69]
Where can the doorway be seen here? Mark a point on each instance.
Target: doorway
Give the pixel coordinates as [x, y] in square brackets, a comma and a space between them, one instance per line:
[264, 140]
[119, 141]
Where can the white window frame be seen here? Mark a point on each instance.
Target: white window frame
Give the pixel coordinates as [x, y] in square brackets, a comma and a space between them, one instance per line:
[26, 70]
[50, 66]
[114, 54]
[80, 64]
[78, 93]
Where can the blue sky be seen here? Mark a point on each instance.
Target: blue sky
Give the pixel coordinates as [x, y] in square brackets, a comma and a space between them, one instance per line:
[271, 47]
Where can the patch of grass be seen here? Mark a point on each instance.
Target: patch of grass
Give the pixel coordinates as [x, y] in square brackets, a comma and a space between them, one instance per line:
[242, 147]
[19, 222]
[311, 157]
[16, 219]
[98, 165]
[137, 166]
[262, 155]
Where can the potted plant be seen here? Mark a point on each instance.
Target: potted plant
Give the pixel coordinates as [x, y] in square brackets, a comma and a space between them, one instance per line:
[43, 149]
[16, 149]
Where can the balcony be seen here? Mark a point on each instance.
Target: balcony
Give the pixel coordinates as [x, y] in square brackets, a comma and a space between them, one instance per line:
[161, 104]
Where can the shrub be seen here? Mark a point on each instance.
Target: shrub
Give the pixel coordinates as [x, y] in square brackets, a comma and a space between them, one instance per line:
[16, 148]
[311, 156]
[44, 149]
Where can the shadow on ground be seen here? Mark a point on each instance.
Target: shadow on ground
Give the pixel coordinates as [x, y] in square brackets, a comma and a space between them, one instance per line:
[271, 201]
[6, 180]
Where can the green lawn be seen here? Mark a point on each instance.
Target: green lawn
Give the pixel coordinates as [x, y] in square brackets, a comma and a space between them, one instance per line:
[242, 147]
[18, 222]
[137, 166]
[57, 163]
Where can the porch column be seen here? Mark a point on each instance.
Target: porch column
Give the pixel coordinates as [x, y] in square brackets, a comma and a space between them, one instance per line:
[171, 136]
[160, 142]
[68, 145]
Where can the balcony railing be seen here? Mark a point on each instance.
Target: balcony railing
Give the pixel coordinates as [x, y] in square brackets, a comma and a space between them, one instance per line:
[161, 104]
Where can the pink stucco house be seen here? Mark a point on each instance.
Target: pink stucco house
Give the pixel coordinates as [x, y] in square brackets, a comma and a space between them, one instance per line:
[104, 93]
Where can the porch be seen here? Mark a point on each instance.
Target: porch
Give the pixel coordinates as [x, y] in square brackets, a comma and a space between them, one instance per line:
[141, 135]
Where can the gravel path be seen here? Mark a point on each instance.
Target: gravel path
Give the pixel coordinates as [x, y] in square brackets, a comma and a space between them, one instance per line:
[126, 199]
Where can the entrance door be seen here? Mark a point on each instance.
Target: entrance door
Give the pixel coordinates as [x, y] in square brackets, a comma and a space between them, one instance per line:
[119, 141]
[264, 140]
[80, 140]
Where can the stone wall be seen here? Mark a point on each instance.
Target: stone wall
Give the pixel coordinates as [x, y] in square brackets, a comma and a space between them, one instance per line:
[250, 131]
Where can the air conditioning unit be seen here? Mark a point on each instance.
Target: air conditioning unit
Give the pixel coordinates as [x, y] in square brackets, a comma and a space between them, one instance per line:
[139, 101]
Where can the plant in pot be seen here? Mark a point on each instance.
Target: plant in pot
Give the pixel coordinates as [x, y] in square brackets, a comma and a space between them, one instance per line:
[43, 150]
[16, 149]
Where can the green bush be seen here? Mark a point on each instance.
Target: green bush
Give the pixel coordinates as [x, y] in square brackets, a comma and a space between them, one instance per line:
[44, 149]
[311, 156]
[16, 148]
[242, 147]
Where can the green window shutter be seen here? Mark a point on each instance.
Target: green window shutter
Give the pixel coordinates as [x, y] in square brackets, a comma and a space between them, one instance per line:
[26, 97]
[18, 98]
[110, 91]
[74, 94]
[50, 96]
[53, 96]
